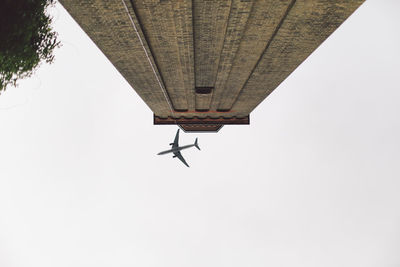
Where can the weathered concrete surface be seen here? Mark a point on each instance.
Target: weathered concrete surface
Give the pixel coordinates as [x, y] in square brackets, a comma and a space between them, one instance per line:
[261, 25]
[237, 24]
[210, 20]
[108, 25]
[242, 49]
[168, 28]
[306, 26]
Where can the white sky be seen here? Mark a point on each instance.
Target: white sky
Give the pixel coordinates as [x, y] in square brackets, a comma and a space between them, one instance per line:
[313, 181]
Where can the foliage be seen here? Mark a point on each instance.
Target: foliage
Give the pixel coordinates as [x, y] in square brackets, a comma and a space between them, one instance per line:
[26, 39]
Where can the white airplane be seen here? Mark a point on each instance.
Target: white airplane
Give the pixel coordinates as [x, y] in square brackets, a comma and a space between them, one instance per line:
[176, 149]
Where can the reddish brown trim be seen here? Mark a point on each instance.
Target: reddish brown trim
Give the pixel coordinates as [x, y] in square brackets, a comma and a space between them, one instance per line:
[207, 111]
[201, 127]
[196, 120]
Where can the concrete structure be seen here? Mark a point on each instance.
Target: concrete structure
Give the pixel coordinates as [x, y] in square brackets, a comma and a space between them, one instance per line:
[206, 63]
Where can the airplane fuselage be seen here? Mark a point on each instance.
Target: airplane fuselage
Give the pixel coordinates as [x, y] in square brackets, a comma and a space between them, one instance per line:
[175, 149]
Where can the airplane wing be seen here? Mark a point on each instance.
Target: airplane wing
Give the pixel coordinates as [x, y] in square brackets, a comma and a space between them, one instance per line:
[179, 156]
[175, 143]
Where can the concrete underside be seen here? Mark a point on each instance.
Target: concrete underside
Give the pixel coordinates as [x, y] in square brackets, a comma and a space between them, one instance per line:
[201, 128]
[202, 124]
[207, 58]
[202, 120]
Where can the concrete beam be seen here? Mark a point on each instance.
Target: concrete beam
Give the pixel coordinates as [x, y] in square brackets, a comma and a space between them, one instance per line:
[306, 26]
[108, 24]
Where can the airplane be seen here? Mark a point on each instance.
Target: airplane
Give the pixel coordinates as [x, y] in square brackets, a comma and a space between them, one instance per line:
[176, 149]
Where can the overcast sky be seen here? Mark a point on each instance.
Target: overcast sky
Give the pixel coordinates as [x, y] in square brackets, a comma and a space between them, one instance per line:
[313, 181]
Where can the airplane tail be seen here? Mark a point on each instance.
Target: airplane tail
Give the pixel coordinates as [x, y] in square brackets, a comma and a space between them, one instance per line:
[196, 144]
